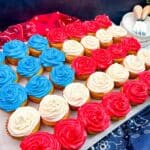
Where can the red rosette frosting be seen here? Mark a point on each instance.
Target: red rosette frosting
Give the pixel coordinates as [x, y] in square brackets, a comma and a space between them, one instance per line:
[136, 91]
[103, 58]
[70, 133]
[94, 117]
[103, 21]
[83, 65]
[145, 77]
[116, 104]
[57, 35]
[76, 30]
[40, 141]
[131, 44]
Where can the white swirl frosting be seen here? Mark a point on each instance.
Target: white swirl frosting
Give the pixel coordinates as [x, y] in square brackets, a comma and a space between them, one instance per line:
[53, 108]
[144, 54]
[134, 64]
[76, 94]
[100, 82]
[90, 42]
[118, 72]
[72, 47]
[23, 121]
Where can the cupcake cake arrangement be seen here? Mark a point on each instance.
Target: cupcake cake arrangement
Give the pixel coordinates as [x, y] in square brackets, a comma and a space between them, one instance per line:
[85, 61]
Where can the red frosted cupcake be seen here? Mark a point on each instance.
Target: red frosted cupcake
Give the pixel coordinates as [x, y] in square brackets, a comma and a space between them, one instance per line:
[40, 141]
[94, 117]
[116, 104]
[136, 91]
[83, 67]
[70, 133]
[56, 37]
[103, 58]
[131, 45]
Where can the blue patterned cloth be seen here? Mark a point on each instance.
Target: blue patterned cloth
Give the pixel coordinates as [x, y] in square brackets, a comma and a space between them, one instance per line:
[134, 134]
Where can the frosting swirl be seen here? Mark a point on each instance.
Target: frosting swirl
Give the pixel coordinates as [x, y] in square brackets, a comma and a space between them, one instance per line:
[94, 117]
[91, 26]
[53, 108]
[62, 75]
[136, 91]
[40, 141]
[38, 42]
[116, 104]
[15, 49]
[52, 57]
[12, 96]
[23, 121]
[70, 133]
[28, 66]
[2, 57]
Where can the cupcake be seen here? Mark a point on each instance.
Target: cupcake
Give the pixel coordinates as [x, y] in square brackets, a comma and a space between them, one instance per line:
[61, 76]
[118, 52]
[90, 43]
[7, 75]
[23, 122]
[53, 108]
[38, 87]
[117, 32]
[2, 58]
[144, 54]
[83, 67]
[118, 73]
[104, 37]
[51, 57]
[131, 44]
[14, 51]
[37, 44]
[72, 49]
[70, 133]
[40, 141]
[136, 91]
[56, 37]
[116, 104]
[103, 58]
[134, 65]
[94, 117]
[99, 83]
[29, 66]
[76, 94]
[12, 96]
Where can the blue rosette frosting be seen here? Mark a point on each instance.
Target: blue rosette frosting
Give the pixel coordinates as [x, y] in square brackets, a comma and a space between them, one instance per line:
[12, 96]
[62, 75]
[38, 86]
[52, 57]
[38, 42]
[2, 57]
[28, 66]
[15, 49]
[7, 75]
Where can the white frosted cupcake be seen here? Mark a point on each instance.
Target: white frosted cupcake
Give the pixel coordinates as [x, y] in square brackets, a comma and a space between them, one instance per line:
[23, 122]
[144, 54]
[105, 38]
[90, 43]
[134, 65]
[76, 95]
[99, 83]
[118, 73]
[72, 49]
[53, 108]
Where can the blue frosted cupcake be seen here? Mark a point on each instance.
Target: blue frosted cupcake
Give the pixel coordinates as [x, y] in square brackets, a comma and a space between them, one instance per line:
[51, 57]
[14, 51]
[7, 75]
[38, 87]
[29, 66]
[2, 58]
[62, 75]
[37, 44]
[12, 96]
